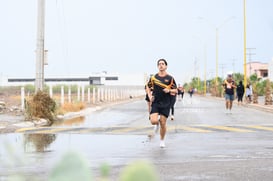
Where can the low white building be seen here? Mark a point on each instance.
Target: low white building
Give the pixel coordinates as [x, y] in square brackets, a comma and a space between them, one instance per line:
[137, 79]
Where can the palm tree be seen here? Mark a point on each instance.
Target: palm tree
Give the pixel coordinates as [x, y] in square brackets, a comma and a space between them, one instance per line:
[238, 76]
[268, 97]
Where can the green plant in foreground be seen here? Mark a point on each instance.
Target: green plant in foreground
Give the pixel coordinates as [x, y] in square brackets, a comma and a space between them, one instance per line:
[139, 171]
[71, 167]
[105, 170]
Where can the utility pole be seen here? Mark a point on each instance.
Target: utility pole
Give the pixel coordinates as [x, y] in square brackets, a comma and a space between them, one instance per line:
[196, 71]
[245, 81]
[195, 67]
[233, 65]
[39, 78]
[249, 59]
[223, 66]
[205, 70]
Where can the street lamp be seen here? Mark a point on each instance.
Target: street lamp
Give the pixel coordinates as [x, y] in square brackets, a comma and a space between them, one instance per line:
[245, 81]
[216, 41]
[205, 65]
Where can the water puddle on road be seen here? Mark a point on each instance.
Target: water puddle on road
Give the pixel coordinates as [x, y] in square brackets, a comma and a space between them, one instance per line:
[77, 121]
[20, 143]
[35, 155]
[17, 145]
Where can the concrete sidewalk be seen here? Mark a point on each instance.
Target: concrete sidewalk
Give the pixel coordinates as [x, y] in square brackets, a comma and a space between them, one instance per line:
[261, 105]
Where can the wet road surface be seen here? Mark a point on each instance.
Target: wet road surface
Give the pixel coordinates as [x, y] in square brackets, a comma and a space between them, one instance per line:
[203, 143]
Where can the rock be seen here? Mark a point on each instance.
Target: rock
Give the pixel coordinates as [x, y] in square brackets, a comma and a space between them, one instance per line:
[2, 107]
[15, 108]
[41, 122]
[2, 103]
[60, 117]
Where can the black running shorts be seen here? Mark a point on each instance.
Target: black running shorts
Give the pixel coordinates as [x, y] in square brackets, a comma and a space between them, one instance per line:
[165, 111]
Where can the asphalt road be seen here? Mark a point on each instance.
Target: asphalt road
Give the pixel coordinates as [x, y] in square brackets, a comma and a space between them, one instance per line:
[202, 143]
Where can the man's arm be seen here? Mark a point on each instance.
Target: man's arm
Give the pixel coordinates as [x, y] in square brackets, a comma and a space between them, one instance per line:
[173, 88]
[149, 90]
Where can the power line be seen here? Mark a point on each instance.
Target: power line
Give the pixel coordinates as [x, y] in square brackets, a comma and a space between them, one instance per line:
[249, 54]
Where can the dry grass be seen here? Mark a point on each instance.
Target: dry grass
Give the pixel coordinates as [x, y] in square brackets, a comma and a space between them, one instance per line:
[41, 106]
[71, 107]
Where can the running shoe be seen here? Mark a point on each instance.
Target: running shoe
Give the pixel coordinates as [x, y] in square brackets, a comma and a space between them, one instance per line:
[172, 117]
[162, 144]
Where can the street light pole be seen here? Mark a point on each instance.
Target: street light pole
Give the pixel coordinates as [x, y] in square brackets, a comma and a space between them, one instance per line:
[216, 58]
[217, 43]
[205, 65]
[205, 70]
[245, 81]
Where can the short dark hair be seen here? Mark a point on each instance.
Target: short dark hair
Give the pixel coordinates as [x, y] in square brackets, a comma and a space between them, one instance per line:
[162, 60]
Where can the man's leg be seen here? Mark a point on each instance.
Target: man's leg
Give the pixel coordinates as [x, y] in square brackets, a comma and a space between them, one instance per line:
[172, 113]
[227, 103]
[230, 101]
[154, 118]
[154, 121]
[162, 127]
[163, 130]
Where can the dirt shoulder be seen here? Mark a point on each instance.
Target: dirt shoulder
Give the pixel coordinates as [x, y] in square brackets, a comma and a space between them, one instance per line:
[12, 117]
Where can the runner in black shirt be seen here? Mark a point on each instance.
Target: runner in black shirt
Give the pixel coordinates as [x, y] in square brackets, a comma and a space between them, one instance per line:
[162, 84]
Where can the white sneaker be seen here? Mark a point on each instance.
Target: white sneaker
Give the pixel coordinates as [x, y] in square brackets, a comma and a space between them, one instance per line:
[162, 144]
[230, 111]
[172, 117]
[227, 111]
[156, 128]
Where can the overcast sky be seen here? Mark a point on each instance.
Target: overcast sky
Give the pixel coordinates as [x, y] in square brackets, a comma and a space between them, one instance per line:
[129, 36]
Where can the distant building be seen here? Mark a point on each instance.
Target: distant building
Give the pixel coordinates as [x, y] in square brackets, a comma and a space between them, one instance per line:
[94, 79]
[261, 69]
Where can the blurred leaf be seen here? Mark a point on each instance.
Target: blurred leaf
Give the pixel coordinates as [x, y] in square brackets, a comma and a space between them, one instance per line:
[139, 171]
[71, 167]
[105, 170]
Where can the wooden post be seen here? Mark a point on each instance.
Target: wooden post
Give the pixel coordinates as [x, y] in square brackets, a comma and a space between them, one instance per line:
[62, 95]
[22, 98]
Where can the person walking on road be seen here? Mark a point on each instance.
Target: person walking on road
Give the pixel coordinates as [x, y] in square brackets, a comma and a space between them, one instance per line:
[173, 100]
[191, 91]
[180, 93]
[229, 86]
[240, 90]
[162, 85]
[147, 99]
[249, 93]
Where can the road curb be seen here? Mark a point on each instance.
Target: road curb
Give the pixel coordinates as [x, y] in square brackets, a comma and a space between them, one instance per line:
[25, 124]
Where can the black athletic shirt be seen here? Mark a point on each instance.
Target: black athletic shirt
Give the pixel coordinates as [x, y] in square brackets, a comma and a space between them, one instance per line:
[228, 89]
[158, 83]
